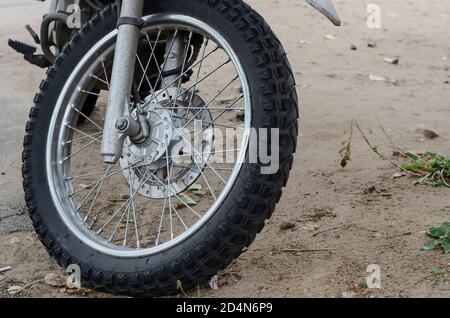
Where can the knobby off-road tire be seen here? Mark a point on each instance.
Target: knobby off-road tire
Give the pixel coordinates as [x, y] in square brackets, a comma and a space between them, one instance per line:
[252, 198]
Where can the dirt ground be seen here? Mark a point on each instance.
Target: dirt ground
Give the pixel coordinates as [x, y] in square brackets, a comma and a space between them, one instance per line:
[340, 220]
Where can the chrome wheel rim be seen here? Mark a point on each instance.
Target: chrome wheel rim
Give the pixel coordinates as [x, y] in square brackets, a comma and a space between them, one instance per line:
[61, 153]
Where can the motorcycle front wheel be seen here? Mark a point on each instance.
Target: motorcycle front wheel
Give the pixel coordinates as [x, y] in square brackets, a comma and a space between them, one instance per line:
[165, 216]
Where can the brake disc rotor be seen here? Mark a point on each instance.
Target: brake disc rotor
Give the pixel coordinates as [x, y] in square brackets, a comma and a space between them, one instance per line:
[156, 174]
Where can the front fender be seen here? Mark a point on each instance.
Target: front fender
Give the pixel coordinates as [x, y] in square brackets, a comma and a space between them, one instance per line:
[327, 8]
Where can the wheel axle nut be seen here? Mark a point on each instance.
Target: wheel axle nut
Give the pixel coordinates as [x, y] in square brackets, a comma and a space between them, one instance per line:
[122, 124]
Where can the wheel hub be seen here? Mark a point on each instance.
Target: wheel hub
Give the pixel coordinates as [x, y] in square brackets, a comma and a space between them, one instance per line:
[149, 177]
[154, 147]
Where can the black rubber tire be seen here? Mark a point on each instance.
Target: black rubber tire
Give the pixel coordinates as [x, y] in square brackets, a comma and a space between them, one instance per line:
[251, 200]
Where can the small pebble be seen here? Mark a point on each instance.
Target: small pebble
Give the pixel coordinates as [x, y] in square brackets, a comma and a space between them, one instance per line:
[287, 226]
[393, 61]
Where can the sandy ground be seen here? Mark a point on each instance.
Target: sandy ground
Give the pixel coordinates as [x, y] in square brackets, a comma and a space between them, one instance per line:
[365, 216]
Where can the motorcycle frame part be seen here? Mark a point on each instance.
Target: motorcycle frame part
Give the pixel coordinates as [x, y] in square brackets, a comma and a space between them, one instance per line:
[55, 33]
[143, 133]
[45, 27]
[121, 79]
[174, 58]
[54, 30]
[327, 8]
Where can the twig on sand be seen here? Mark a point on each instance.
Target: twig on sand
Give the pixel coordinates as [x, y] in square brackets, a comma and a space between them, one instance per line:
[405, 152]
[294, 250]
[29, 285]
[181, 289]
[5, 269]
[327, 230]
[375, 150]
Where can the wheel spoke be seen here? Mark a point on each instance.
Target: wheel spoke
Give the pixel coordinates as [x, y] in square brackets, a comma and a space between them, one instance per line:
[206, 181]
[206, 77]
[80, 150]
[136, 230]
[100, 180]
[87, 175]
[87, 118]
[100, 80]
[169, 189]
[185, 72]
[214, 121]
[198, 74]
[200, 108]
[83, 133]
[152, 55]
[206, 105]
[126, 204]
[180, 219]
[130, 183]
[160, 74]
[144, 71]
[97, 193]
[111, 237]
[106, 74]
[68, 142]
[211, 123]
[191, 167]
[186, 50]
[206, 153]
[177, 196]
[229, 107]
[89, 93]
[158, 237]
[206, 162]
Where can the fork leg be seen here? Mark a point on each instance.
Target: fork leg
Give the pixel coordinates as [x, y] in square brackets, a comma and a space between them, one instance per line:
[122, 77]
[175, 51]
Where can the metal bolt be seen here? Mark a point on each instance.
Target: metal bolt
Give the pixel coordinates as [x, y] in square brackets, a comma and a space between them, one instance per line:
[122, 124]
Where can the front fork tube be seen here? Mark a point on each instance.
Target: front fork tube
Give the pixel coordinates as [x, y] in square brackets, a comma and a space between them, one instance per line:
[123, 75]
[121, 79]
[174, 58]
